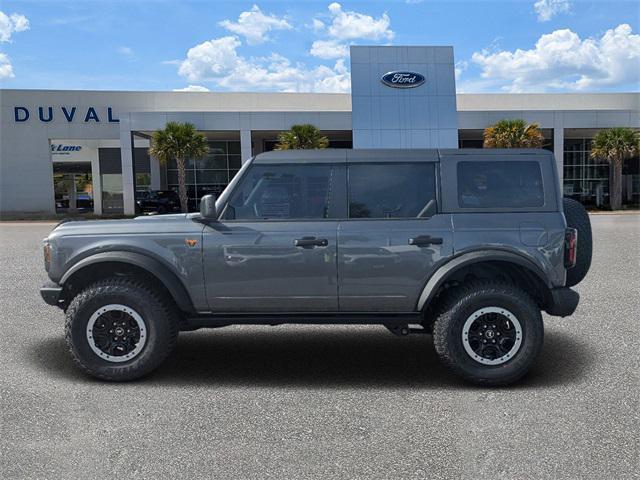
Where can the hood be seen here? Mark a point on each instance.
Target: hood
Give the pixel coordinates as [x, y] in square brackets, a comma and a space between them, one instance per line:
[149, 224]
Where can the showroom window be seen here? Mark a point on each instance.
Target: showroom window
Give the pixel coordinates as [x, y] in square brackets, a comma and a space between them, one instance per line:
[585, 179]
[210, 174]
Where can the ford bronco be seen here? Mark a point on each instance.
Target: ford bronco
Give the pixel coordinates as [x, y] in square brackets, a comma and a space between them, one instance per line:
[469, 246]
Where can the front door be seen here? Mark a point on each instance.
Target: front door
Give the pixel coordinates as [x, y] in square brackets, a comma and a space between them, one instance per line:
[275, 247]
[394, 238]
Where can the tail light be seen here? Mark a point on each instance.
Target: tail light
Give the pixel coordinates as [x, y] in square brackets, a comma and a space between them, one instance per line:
[570, 247]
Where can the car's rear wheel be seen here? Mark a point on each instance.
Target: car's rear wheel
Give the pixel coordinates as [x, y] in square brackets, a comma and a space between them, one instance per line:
[488, 333]
[120, 329]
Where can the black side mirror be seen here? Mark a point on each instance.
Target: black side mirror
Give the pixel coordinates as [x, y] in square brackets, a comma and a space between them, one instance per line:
[208, 207]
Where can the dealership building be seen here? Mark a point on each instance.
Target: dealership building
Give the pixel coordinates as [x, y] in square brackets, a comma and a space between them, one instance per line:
[86, 151]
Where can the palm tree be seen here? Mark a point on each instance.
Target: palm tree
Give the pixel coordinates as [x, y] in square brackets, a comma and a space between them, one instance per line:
[513, 134]
[615, 145]
[305, 136]
[179, 141]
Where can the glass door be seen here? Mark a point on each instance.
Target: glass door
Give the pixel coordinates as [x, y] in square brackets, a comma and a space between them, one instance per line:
[73, 187]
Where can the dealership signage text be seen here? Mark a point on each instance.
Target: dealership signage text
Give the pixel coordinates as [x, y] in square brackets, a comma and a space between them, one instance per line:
[402, 79]
[70, 114]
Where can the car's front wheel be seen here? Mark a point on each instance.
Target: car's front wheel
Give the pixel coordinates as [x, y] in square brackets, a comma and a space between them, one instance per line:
[120, 329]
[488, 333]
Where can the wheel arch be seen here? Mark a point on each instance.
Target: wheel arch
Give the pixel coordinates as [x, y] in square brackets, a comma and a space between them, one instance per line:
[519, 269]
[102, 265]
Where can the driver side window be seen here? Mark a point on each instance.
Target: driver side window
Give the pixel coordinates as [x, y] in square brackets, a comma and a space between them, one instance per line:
[289, 191]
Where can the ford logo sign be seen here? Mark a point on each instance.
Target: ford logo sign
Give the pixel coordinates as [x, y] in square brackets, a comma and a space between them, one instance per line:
[402, 79]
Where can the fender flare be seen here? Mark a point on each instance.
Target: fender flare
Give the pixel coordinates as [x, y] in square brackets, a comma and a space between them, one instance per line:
[469, 258]
[154, 267]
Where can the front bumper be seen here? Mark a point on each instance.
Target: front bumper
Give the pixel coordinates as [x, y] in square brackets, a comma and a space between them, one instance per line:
[563, 302]
[52, 294]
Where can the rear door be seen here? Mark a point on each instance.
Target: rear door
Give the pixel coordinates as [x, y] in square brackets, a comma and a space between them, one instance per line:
[394, 237]
[275, 249]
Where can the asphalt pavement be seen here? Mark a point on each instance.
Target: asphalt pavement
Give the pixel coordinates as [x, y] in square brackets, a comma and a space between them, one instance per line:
[325, 402]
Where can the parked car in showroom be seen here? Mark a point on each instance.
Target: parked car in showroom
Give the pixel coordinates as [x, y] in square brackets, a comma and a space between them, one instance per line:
[157, 201]
[469, 246]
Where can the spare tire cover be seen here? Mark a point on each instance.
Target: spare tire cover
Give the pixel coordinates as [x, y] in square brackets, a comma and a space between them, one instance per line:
[578, 218]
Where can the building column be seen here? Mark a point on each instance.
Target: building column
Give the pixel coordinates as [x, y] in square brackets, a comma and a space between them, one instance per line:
[245, 145]
[126, 158]
[97, 184]
[558, 151]
[154, 165]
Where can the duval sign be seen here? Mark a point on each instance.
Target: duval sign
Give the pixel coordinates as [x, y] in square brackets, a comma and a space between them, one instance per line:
[402, 79]
[69, 114]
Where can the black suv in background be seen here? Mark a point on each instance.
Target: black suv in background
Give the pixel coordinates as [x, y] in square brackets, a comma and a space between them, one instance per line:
[157, 201]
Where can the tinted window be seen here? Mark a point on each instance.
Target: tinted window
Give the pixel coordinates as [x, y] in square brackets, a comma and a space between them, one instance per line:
[499, 184]
[397, 190]
[289, 191]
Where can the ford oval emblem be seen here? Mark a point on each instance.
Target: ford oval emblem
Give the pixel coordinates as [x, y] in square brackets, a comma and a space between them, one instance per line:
[401, 79]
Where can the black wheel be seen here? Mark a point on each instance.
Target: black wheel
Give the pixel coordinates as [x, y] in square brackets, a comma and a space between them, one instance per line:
[578, 218]
[488, 333]
[120, 329]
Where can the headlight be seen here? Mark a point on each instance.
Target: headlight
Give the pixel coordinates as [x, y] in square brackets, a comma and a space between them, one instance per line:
[46, 247]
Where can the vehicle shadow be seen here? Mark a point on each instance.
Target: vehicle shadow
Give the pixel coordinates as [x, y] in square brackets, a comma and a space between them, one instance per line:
[357, 357]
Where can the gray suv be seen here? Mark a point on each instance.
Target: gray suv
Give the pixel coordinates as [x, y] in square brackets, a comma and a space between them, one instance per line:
[469, 246]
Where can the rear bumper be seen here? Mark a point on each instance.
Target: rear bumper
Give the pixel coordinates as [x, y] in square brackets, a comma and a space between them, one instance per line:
[51, 294]
[563, 302]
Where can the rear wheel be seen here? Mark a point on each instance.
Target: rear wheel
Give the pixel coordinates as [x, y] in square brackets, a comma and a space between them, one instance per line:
[578, 218]
[488, 333]
[120, 329]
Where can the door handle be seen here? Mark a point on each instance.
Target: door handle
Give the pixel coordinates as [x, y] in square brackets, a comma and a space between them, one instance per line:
[310, 242]
[424, 240]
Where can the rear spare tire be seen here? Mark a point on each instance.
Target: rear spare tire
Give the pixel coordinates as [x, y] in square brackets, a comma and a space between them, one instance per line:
[578, 218]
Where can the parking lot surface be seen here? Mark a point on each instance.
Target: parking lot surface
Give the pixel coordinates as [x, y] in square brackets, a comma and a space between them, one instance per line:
[325, 402]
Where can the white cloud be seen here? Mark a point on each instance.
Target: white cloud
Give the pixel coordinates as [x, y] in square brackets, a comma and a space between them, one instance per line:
[413, 2]
[254, 25]
[10, 24]
[217, 61]
[210, 59]
[328, 49]
[346, 25]
[192, 88]
[561, 60]
[460, 67]
[126, 51]
[547, 9]
[317, 25]
[6, 70]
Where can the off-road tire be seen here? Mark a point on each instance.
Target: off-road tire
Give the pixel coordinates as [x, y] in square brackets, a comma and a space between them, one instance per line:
[159, 316]
[456, 307]
[578, 218]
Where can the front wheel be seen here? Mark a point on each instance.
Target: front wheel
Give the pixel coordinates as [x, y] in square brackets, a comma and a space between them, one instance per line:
[488, 333]
[120, 329]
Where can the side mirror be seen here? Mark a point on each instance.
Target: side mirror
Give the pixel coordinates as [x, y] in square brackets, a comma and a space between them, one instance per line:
[208, 207]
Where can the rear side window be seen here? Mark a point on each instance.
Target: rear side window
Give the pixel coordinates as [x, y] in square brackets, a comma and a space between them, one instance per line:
[500, 185]
[393, 190]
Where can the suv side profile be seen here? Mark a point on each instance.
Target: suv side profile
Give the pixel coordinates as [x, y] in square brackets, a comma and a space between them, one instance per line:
[467, 245]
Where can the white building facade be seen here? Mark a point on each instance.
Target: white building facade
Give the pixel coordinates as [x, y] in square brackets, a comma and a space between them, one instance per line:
[86, 151]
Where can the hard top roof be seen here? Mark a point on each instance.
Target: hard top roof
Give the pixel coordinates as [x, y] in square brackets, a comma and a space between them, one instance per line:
[340, 155]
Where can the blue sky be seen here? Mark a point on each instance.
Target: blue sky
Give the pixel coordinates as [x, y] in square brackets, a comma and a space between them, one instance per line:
[510, 46]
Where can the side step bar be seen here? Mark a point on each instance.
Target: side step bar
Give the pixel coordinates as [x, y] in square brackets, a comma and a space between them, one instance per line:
[225, 319]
